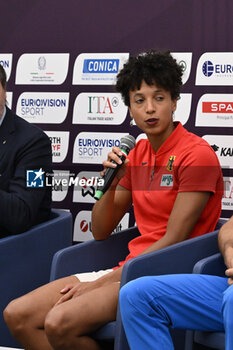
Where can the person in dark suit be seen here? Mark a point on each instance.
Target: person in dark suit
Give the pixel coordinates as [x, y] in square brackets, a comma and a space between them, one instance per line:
[23, 147]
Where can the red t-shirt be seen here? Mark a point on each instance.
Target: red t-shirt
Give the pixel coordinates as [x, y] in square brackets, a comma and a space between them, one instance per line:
[184, 162]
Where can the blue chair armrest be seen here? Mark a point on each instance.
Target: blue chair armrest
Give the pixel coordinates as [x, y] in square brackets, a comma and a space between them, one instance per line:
[25, 260]
[92, 255]
[212, 265]
[213, 340]
[177, 258]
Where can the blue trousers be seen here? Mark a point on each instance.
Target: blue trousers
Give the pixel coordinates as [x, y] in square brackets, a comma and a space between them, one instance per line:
[150, 305]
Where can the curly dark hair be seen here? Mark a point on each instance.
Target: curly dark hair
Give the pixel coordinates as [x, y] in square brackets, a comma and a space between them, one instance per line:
[153, 67]
[2, 77]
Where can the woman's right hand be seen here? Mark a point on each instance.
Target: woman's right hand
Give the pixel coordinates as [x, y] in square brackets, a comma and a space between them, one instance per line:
[114, 156]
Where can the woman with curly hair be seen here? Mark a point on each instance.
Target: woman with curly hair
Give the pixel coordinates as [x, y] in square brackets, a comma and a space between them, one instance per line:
[167, 179]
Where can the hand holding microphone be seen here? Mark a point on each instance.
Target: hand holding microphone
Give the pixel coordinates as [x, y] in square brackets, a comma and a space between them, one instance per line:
[126, 144]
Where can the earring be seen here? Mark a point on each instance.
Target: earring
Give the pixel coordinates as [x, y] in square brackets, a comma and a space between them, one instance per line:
[131, 122]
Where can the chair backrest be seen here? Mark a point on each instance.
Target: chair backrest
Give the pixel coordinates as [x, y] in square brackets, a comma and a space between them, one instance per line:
[25, 260]
[211, 265]
[91, 255]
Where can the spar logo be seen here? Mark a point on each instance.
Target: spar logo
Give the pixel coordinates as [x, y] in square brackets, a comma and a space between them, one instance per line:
[99, 108]
[217, 107]
[215, 110]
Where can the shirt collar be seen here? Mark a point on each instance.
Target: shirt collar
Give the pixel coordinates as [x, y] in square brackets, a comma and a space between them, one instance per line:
[3, 116]
[172, 140]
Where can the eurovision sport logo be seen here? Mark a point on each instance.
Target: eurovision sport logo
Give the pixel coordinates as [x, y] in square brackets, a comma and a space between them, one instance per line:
[43, 107]
[92, 148]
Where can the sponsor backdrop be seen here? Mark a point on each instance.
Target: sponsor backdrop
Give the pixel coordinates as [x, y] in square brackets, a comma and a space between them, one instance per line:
[62, 57]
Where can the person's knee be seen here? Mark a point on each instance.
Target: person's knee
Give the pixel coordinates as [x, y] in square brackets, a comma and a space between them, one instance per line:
[126, 296]
[228, 296]
[136, 296]
[133, 292]
[56, 327]
[228, 299]
[16, 316]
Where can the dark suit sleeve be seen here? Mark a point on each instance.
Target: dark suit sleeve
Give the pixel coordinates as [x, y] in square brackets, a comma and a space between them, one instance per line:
[22, 207]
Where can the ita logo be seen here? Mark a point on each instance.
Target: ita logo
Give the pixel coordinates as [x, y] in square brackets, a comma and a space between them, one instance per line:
[35, 178]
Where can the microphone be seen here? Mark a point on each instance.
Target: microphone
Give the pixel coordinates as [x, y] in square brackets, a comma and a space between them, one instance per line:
[126, 144]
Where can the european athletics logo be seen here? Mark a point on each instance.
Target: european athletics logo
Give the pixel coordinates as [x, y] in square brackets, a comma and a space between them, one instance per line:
[208, 68]
[35, 178]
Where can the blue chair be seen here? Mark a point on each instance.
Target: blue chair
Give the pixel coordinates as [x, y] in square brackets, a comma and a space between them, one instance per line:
[95, 255]
[212, 265]
[25, 261]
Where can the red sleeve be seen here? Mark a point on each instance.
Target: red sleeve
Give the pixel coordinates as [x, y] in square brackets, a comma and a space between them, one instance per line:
[201, 170]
